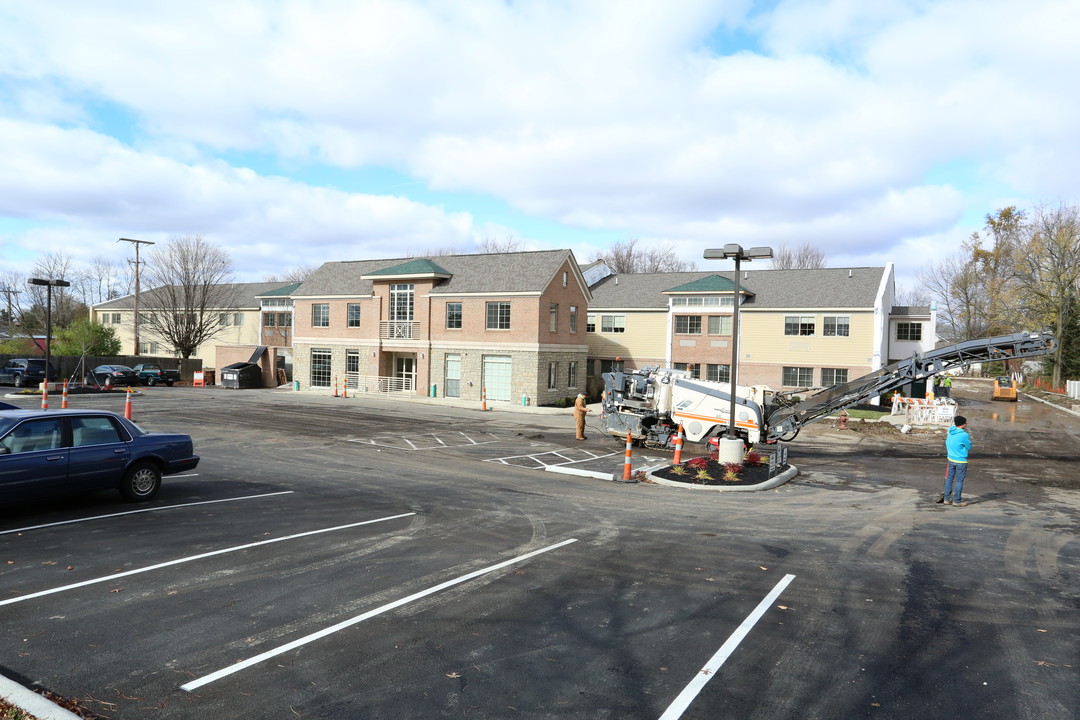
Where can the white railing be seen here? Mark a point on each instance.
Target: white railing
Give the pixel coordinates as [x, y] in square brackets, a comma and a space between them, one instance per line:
[376, 384]
[397, 330]
[917, 411]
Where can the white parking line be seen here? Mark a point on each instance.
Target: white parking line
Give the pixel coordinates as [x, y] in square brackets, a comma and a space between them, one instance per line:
[537, 458]
[224, 672]
[677, 708]
[396, 441]
[115, 576]
[143, 510]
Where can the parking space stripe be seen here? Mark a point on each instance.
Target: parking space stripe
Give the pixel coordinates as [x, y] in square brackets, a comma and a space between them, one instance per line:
[677, 708]
[143, 510]
[180, 561]
[237, 667]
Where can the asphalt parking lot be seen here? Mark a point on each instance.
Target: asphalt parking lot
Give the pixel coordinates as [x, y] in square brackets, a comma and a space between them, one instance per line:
[366, 558]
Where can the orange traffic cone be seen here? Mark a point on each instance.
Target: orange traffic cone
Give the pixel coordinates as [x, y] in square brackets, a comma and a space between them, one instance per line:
[127, 404]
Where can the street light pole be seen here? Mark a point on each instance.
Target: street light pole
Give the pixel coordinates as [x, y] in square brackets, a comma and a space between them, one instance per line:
[136, 243]
[735, 252]
[49, 285]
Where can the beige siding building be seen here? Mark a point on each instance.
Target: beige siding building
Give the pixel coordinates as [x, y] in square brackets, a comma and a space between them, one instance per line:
[797, 328]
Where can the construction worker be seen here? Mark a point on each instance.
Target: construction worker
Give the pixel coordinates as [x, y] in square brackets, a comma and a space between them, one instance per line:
[944, 386]
[579, 415]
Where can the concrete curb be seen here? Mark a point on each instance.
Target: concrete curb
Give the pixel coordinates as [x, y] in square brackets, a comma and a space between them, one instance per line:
[563, 470]
[29, 701]
[1053, 405]
[769, 484]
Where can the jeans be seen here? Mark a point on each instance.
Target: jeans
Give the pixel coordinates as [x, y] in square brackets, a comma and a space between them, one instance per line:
[954, 481]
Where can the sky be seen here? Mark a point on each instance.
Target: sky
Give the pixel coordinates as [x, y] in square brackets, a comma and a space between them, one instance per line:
[294, 133]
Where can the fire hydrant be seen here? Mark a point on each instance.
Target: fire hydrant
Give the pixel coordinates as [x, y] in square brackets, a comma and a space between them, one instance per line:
[843, 420]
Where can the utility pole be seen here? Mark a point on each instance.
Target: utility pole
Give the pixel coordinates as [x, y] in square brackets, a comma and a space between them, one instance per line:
[136, 243]
[10, 318]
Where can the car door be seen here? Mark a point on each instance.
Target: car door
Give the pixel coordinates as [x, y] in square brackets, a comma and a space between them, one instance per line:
[33, 460]
[5, 372]
[99, 453]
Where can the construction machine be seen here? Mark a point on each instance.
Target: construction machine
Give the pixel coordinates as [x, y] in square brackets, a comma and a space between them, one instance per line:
[652, 402]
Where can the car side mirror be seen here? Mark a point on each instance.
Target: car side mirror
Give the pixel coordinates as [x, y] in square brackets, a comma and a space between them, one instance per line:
[4, 450]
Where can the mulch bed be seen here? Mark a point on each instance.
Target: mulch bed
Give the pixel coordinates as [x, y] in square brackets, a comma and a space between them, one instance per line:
[748, 475]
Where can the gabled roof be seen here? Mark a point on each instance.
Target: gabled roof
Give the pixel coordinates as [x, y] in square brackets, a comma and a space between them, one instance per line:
[814, 288]
[246, 297]
[281, 291]
[420, 267]
[519, 272]
[712, 283]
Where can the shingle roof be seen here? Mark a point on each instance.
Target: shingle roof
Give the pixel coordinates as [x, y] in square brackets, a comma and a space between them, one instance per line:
[247, 295]
[281, 291]
[477, 273]
[819, 287]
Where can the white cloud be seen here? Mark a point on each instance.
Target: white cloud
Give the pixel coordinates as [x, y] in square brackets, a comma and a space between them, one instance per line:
[611, 116]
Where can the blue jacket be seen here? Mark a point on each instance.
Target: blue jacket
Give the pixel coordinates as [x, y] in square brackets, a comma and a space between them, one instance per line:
[957, 444]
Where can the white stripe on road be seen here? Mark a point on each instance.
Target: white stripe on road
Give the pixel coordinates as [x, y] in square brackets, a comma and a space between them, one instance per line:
[143, 510]
[677, 708]
[115, 576]
[195, 684]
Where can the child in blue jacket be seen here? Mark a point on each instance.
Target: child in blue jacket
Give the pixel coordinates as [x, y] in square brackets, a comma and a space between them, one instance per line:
[957, 446]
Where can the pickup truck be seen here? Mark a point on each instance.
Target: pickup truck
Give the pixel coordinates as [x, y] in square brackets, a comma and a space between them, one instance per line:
[152, 374]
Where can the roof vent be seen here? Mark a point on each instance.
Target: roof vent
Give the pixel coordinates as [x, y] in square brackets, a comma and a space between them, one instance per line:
[851, 273]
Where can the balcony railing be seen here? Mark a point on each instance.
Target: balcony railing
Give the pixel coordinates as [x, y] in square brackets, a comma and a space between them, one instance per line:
[378, 384]
[397, 330]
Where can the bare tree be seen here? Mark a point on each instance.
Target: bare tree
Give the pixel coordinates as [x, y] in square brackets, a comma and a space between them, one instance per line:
[300, 273]
[65, 306]
[804, 257]
[911, 297]
[506, 244]
[12, 287]
[193, 285]
[625, 257]
[1050, 276]
[101, 279]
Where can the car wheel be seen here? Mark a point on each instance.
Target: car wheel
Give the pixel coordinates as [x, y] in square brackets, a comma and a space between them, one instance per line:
[108, 383]
[151, 382]
[142, 482]
[169, 383]
[20, 381]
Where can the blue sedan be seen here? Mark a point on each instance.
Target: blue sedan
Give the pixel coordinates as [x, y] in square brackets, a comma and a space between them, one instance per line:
[44, 453]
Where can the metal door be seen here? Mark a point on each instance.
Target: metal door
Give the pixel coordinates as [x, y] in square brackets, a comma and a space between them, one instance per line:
[497, 375]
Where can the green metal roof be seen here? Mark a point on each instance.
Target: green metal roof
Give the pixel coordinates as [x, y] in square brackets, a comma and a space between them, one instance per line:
[420, 266]
[285, 290]
[711, 283]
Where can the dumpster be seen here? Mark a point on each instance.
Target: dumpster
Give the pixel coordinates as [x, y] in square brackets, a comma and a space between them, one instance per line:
[241, 375]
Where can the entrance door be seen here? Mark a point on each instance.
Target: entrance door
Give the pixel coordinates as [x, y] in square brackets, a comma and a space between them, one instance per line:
[405, 370]
[453, 376]
[497, 377]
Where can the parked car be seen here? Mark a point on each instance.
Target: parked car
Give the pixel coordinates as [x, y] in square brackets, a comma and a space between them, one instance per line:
[44, 453]
[109, 375]
[1004, 389]
[25, 372]
[152, 374]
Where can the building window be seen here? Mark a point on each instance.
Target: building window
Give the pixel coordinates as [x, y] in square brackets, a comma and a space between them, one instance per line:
[320, 367]
[687, 324]
[573, 318]
[269, 319]
[693, 368]
[148, 348]
[909, 331]
[564, 278]
[284, 319]
[833, 376]
[498, 316]
[590, 323]
[553, 375]
[354, 315]
[799, 325]
[401, 302]
[718, 373]
[839, 326]
[613, 323]
[352, 361]
[320, 315]
[706, 301]
[553, 317]
[453, 316]
[115, 318]
[571, 374]
[798, 377]
[719, 324]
